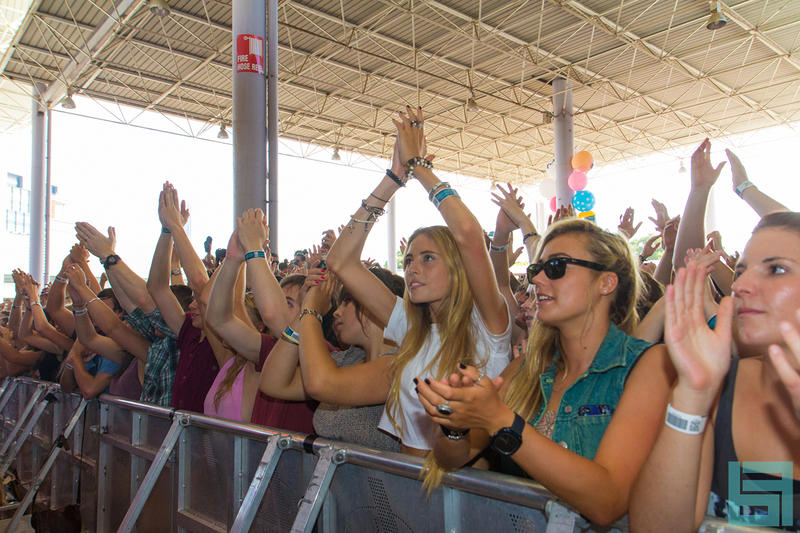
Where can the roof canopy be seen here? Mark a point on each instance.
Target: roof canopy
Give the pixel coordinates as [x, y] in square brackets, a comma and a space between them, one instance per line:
[647, 74]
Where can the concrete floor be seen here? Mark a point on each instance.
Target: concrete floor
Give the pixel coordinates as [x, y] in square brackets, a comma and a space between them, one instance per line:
[24, 525]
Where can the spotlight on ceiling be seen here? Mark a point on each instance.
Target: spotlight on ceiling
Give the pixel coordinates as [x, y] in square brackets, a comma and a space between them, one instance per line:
[336, 156]
[67, 102]
[717, 20]
[223, 134]
[159, 8]
[682, 170]
[472, 105]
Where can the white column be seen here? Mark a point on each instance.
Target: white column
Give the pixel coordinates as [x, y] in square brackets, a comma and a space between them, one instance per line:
[249, 111]
[38, 131]
[562, 138]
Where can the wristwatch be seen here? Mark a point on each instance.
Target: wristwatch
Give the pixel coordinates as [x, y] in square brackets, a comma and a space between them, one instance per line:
[508, 440]
[111, 260]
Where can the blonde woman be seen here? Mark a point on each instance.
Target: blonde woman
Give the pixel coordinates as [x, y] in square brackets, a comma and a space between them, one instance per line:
[581, 410]
[452, 310]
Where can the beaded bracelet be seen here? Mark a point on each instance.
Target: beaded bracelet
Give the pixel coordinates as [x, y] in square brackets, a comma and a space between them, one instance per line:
[68, 366]
[79, 312]
[502, 248]
[529, 235]
[313, 313]
[373, 210]
[59, 279]
[394, 178]
[165, 230]
[416, 161]
[435, 189]
[95, 299]
[175, 272]
[255, 253]
[442, 195]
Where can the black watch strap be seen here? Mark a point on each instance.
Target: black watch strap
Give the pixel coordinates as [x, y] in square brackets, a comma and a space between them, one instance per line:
[507, 440]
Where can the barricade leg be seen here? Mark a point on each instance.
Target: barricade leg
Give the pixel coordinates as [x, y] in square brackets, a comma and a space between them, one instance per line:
[48, 464]
[559, 518]
[258, 487]
[35, 397]
[151, 477]
[317, 489]
[36, 414]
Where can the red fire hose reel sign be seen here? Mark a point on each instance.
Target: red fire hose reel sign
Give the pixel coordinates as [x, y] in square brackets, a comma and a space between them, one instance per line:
[249, 53]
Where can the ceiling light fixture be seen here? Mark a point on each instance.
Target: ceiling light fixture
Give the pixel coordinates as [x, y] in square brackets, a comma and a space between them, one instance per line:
[159, 8]
[336, 156]
[223, 134]
[717, 20]
[682, 170]
[67, 102]
[472, 105]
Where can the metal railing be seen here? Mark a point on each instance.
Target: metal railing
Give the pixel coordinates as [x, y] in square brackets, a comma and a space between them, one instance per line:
[139, 467]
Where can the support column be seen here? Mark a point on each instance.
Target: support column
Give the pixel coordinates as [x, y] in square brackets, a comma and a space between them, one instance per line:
[391, 234]
[38, 127]
[562, 138]
[249, 107]
[48, 188]
[272, 121]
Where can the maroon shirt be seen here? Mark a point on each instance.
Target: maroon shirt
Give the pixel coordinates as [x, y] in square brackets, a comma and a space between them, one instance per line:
[197, 368]
[280, 414]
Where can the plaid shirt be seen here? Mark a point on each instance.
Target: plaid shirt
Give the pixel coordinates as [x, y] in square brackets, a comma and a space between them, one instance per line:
[162, 357]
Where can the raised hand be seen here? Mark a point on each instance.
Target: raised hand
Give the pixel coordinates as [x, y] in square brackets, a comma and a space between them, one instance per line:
[78, 254]
[670, 233]
[650, 247]
[76, 275]
[169, 209]
[252, 230]
[403, 246]
[410, 139]
[322, 285]
[98, 244]
[700, 355]
[328, 238]
[661, 215]
[31, 288]
[234, 251]
[562, 213]
[787, 361]
[314, 257]
[626, 227]
[704, 175]
[512, 214]
[702, 257]
[738, 173]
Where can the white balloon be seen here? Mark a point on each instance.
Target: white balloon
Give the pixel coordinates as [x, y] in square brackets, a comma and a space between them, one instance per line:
[547, 188]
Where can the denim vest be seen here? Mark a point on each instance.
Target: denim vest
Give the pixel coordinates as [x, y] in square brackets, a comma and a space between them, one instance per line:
[588, 404]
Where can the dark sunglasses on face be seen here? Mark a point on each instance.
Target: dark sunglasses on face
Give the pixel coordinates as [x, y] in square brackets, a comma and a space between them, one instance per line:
[556, 268]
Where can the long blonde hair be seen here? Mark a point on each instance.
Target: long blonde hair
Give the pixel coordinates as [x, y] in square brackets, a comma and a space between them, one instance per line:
[454, 322]
[524, 395]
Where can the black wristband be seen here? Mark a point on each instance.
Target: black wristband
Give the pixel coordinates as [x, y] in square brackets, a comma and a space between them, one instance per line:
[394, 177]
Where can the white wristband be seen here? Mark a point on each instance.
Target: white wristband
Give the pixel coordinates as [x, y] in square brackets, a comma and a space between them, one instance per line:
[684, 422]
[743, 187]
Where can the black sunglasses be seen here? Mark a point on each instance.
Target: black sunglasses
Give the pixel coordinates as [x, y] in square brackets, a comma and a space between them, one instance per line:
[556, 268]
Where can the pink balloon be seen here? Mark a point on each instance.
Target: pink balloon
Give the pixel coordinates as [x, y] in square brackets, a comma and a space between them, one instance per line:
[553, 207]
[577, 180]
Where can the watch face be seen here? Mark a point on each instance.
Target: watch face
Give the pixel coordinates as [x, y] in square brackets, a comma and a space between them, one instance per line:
[506, 441]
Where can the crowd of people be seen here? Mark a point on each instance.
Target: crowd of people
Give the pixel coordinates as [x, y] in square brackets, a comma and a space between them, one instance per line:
[612, 381]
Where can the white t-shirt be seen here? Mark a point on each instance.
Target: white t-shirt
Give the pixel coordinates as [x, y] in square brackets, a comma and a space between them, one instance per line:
[418, 431]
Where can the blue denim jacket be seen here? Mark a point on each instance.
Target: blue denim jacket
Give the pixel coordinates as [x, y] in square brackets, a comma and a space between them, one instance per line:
[588, 404]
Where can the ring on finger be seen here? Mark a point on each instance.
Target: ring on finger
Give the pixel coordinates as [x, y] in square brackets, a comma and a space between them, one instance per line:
[416, 124]
[444, 409]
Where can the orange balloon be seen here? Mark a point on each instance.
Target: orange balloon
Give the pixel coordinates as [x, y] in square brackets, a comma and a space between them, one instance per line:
[582, 161]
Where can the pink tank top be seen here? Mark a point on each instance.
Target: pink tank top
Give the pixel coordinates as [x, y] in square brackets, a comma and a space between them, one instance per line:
[230, 405]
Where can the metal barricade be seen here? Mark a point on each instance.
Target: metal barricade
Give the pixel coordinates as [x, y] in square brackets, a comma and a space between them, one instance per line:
[141, 467]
